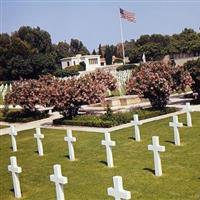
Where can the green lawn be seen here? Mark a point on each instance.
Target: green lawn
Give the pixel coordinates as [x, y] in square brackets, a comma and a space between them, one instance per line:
[89, 177]
[3, 126]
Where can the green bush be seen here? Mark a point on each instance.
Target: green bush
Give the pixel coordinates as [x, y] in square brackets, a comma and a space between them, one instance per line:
[66, 73]
[82, 66]
[193, 67]
[23, 116]
[127, 67]
[94, 123]
[118, 60]
[109, 119]
[71, 70]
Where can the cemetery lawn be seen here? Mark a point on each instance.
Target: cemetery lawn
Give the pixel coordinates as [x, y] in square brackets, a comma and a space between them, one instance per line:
[2, 126]
[89, 177]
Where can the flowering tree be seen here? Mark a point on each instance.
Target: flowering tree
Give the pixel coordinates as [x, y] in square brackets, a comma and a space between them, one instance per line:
[193, 67]
[156, 81]
[66, 96]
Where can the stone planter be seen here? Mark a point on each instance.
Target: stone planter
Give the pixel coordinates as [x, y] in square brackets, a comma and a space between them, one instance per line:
[121, 101]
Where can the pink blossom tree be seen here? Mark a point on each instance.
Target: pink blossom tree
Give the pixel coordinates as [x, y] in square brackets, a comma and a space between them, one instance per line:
[156, 81]
[66, 96]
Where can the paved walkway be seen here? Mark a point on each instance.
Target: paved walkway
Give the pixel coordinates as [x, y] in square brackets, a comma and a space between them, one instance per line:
[29, 125]
[47, 123]
[103, 130]
[176, 100]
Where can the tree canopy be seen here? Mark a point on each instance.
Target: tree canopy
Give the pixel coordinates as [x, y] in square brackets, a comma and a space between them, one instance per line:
[29, 53]
[156, 46]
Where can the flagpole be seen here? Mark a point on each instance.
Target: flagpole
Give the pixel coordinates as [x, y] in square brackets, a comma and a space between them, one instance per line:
[122, 38]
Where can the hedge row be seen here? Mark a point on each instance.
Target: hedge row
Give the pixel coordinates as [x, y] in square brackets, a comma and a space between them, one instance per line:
[22, 116]
[110, 120]
[71, 71]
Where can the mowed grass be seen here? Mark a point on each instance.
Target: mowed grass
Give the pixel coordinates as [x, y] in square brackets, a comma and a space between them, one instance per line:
[3, 126]
[89, 177]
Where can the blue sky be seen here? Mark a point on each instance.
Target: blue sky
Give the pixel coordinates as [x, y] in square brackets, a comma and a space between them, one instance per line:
[95, 22]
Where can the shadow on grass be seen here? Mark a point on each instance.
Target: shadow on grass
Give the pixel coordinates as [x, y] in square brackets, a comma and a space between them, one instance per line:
[103, 162]
[150, 170]
[171, 142]
[67, 156]
[12, 190]
[131, 138]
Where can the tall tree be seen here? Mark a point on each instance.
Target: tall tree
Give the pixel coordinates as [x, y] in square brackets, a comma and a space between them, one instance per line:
[94, 52]
[100, 51]
[77, 47]
[108, 55]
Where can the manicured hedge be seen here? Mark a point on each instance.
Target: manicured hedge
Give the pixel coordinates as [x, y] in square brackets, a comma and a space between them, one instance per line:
[71, 71]
[22, 116]
[110, 120]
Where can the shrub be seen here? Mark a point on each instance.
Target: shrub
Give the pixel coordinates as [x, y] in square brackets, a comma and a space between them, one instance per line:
[66, 96]
[156, 81]
[65, 73]
[71, 70]
[127, 67]
[118, 60]
[194, 69]
[111, 119]
[23, 116]
[82, 66]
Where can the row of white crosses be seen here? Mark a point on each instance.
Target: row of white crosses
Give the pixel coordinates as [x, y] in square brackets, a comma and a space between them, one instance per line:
[38, 136]
[4, 89]
[117, 192]
[175, 124]
[1, 88]
[3, 93]
[155, 147]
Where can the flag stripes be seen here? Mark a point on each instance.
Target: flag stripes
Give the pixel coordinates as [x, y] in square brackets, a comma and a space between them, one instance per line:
[129, 16]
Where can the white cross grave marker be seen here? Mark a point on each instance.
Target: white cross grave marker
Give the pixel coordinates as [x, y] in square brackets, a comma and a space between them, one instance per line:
[15, 170]
[136, 124]
[188, 109]
[59, 181]
[38, 137]
[175, 124]
[156, 148]
[108, 143]
[70, 139]
[118, 192]
[13, 133]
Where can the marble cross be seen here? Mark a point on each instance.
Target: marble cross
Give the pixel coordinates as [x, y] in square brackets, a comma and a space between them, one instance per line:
[38, 137]
[188, 111]
[117, 191]
[156, 148]
[59, 181]
[69, 138]
[108, 143]
[13, 133]
[15, 170]
[136, 124]
[175, 124]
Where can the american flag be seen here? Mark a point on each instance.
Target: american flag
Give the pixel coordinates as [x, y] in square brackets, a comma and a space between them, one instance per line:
[130, 16]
